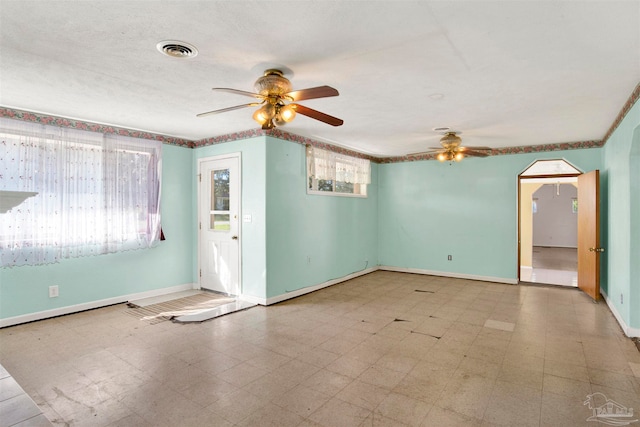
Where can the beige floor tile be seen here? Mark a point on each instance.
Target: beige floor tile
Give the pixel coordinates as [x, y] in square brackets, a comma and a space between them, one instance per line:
[512, 404]
[626, 383]
[381, 377]
[228, 407]
[318, 357]
[403, 409]
[208, 390]
[438, 417]
[396, 362]
[567, 370]
[348, 367]
[519, 375]
[327, 382]
[242, 374]
[134, 420]
[363, 394]
[523, 359]
[467, 394]
[302, 400]
[483, 368]
[271, 386]
[339, 413]
[272, 415]
[561, 411]
[565, 387]
[377, 420]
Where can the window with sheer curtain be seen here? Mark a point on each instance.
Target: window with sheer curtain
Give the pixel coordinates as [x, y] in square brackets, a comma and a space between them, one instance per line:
[87, 193]
[337, 174]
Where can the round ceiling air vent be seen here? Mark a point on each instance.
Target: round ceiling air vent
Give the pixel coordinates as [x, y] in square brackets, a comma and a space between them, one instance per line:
[177, 49]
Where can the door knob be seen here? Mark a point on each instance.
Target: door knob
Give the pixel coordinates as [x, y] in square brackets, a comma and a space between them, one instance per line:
[236, 238]
[596, 249]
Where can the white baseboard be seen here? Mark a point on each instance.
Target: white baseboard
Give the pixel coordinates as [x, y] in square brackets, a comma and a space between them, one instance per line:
[253, 300]
[447, 274]
[16, 320]
[628, 330]
[309, 289]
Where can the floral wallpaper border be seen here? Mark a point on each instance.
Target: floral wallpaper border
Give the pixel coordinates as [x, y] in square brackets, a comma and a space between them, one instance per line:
[284, 135]
[44, 119]
[543, 148]
[281, 134]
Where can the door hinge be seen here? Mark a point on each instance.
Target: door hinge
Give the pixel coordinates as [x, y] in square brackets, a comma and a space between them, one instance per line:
[200, 272]
[199, 177]
[200, 226]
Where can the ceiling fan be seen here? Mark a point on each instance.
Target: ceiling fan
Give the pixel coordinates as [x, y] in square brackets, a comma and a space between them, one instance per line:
[278, 101]
[451, 149]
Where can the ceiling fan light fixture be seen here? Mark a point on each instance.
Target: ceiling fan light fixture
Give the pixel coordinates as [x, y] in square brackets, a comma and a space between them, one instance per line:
[459, 156]
[265, 113]
[287, 113]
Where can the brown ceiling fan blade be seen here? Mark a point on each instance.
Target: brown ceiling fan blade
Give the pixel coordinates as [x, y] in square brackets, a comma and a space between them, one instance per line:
[224, 110]
[312, 93]
[424, 153]
[315, 114]
[239, 92]
[471, 147]
[474, 153]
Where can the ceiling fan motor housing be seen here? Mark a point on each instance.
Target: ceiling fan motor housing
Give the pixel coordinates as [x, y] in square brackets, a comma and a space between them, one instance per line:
[450, 141]
[273, 83]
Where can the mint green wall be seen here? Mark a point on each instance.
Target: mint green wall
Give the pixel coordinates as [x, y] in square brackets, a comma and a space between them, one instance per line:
[253, 234]
[24, 290]
[634, 249]
[337, 234]
[428, 210]
[622, 205]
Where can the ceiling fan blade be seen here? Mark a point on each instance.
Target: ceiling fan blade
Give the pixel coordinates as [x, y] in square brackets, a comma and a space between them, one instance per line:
[471, 147]
[239, 92]
[424, 153]
[473, 153]
[224, 110]
[315, 114]
[312, 93]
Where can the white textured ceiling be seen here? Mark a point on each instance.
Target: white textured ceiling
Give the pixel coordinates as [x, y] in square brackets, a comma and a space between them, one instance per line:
[505, 73]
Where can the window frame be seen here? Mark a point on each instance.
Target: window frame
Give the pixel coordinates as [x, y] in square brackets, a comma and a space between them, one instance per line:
[311, 182]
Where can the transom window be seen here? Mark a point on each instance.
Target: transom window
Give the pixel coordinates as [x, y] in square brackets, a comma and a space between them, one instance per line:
[330, 173]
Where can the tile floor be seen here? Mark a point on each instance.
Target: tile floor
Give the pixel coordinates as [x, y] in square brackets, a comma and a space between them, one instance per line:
[385, 349]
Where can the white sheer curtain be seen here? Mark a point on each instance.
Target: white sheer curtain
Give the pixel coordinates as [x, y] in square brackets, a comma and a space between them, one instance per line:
[328, 165]
[96, 193]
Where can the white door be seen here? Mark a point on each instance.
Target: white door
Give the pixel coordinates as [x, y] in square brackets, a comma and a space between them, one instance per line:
[219, 237]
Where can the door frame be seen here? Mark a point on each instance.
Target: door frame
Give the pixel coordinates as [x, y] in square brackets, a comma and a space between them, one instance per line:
[238, 156]
[519, 209]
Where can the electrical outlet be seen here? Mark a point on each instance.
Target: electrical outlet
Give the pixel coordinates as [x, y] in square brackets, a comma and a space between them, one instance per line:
[449, 257]
[53, 291]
